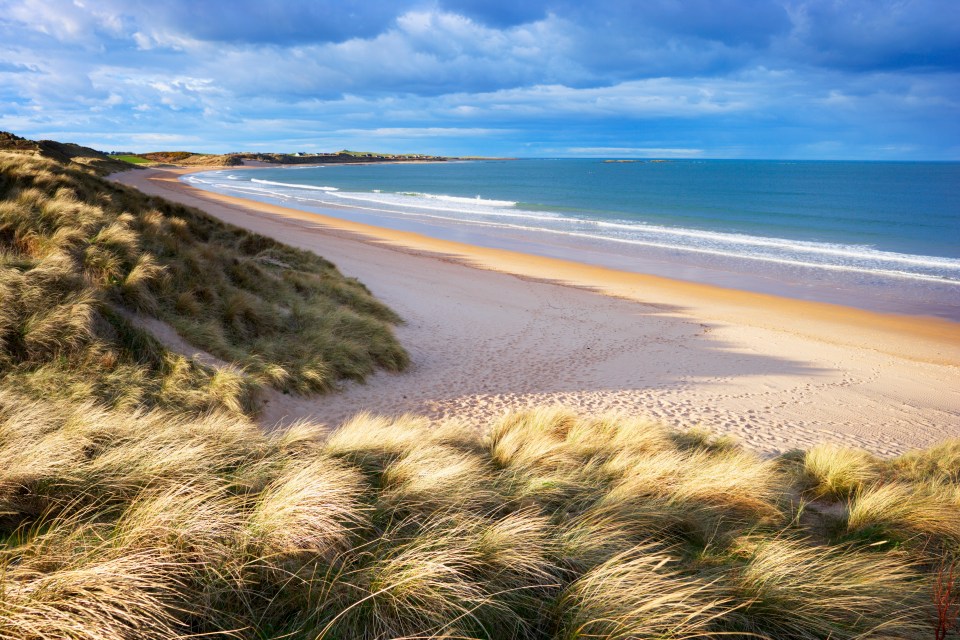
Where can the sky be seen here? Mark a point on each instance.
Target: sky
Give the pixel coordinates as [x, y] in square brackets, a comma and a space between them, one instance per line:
[803, 79]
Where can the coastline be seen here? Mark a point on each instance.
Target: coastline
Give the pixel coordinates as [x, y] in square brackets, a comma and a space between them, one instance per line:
[843, 245]
[829, 373]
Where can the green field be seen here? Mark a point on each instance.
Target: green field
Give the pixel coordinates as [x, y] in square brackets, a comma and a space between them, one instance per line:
[132, 159]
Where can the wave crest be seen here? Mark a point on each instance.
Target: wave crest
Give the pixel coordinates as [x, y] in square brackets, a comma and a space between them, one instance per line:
[293, 186]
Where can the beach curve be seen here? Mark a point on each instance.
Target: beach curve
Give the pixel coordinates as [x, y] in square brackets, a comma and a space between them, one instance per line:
[491, 330]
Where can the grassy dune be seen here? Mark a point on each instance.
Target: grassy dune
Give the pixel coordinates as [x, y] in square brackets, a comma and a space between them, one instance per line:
[138, 500]
[78, 255]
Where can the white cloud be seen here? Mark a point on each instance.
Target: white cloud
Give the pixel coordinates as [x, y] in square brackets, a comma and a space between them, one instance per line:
[161, 138]
[657, 97]
[424, 132]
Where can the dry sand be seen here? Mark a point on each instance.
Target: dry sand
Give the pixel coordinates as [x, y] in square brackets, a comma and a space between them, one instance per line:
[490, 331]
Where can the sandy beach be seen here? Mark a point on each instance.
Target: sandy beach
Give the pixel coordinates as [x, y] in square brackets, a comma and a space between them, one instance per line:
[491, 330]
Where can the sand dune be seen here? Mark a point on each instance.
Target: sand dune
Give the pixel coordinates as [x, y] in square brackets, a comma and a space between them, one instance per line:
[491, 330]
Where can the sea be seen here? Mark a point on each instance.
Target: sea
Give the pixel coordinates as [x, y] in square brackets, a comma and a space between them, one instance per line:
[883, 236]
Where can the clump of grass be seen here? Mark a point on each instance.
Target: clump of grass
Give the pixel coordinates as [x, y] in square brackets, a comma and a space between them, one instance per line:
[789, 588]
[831, 471]
[897, 510]
[373, 442]
[124, 597]
[310, 508]
[590, 539]
[435, 478]
[940, 464]
[701, 438]
[421, 585]
[639, 594]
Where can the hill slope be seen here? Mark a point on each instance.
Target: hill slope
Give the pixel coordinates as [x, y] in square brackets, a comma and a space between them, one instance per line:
[63, 152]
[79, 254]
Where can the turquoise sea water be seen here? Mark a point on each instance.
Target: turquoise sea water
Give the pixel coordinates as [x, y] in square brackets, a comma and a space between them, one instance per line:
[883, 236]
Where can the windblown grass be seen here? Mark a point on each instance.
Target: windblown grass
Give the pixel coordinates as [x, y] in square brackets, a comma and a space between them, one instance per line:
[789, 589]
[638, 594]
[137, 500]
[832, 471]
[939, 464]
[79, 255]
[899, 509]
[399, 528]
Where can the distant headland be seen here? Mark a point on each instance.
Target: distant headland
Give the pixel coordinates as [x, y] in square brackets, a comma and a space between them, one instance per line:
[189, 158]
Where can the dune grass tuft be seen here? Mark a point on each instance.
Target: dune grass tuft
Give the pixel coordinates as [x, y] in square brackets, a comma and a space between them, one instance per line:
[124, 597]
[898, 509]
[310, 508]
[940, 464]
[639, 594]
[789, 588]
[837, 472]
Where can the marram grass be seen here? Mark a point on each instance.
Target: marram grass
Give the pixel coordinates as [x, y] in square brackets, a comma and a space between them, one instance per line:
[80, 257]
[122, 524]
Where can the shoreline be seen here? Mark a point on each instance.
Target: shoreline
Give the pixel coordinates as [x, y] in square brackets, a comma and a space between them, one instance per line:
[703, 300]
[846, 345]
[845, 272]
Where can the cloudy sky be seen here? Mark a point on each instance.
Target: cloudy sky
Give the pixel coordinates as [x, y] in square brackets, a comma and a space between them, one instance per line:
[857, 79]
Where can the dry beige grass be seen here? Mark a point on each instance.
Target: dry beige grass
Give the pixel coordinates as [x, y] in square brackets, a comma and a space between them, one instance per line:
[898, 509]
[792, 589]
[639, 594]
[403, 529]
[938, 464]
[836, 472]
[124, 597]
[311, 508]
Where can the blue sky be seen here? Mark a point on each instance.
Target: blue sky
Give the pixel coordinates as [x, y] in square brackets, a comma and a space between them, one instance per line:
[817, 79]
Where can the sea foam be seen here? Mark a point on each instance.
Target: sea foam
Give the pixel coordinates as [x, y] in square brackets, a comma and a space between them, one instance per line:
[294, 186]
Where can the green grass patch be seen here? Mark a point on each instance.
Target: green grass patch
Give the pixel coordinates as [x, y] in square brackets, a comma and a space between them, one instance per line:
[133, 159]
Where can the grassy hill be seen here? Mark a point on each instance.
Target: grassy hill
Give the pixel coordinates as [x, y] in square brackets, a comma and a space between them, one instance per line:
[138, 500]
[78, 255]
[95, 161]
[188, 158]
[104, 163]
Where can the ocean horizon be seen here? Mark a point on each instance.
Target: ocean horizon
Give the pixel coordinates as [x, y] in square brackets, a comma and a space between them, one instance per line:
[883, 236]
